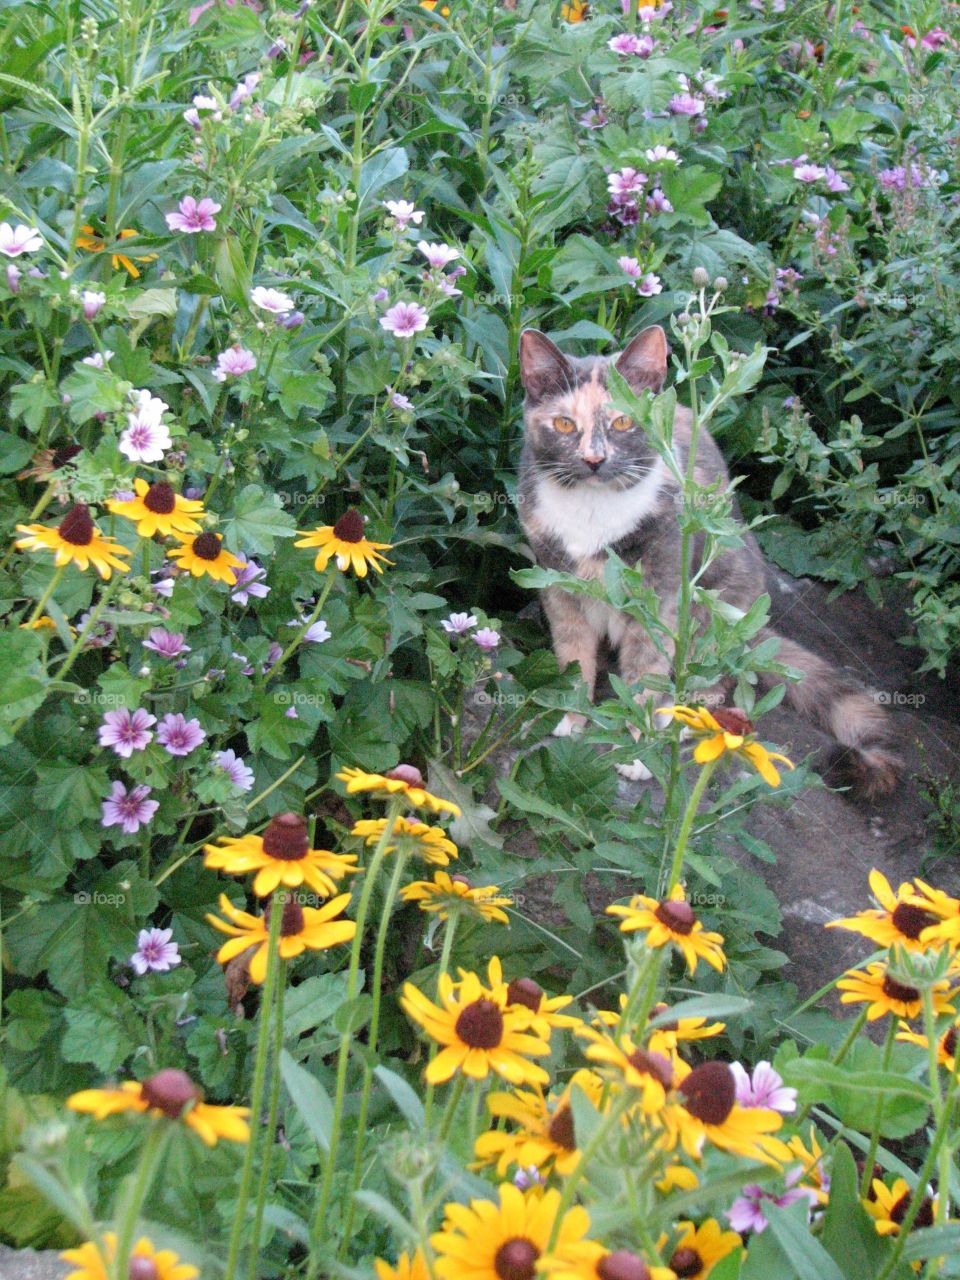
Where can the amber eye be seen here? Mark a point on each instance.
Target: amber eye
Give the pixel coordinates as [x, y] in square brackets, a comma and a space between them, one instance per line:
[623, 423]
[564, 425]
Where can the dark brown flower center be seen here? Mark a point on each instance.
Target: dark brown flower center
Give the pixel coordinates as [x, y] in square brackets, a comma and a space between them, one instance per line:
[653, 1064]
[526, 992]
[349, 528]
[76, 527]
[950, 1042]
[677, 916]
[516, 1260]
[894, 990]
[686, 1262]
[206, 546]
[911, 921]
[66, 453]
[924, 1216]
[561, 1130]
[286, 837]
[659, 1009]
[710, 1092]
[480, 1025]
[622, 1266]
[293, 920]
[143, 1269]
[408, 773]
[160, 499]
[170, 1091]
[460, 879]
[732, 720]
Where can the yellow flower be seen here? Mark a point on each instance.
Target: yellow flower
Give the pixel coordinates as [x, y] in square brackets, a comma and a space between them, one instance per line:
[575, 11]
[946, 1044]
[888, 1207]
[281, 856]
[406, 779]
[666, 1037]
[302, 929]
[413, 1268]
[600, 1264]
[346, 541]
[545, 1137]
[946, 909]
[478, 1031]
[76, 540]
[172, 1094]
[432, 844]
[158, 509]
[677, 1177]
[901, 917]
[709, 1112]
[445, 893]
[95, 1265]
[432, 4]
[877, 988]
[812, 1160]
[725, 730]
[489, 1241]
[651, 1074]
[699, 1249]
[94, 243]
[43, 623]
[545, 1010]
[206, 554]
[673, 921]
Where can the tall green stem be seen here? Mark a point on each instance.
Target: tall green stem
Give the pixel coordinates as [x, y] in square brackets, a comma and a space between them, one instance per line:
[272, 1107]
[877, 1115]
[693, 804]
[128, 1211]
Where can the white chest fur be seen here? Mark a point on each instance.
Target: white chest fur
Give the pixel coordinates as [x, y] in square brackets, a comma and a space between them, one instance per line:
[587, 517]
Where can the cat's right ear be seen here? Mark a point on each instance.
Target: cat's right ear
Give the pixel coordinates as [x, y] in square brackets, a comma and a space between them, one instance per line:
[543, 366]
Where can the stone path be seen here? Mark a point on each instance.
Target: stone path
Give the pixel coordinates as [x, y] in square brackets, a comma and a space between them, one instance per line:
[26, 1264]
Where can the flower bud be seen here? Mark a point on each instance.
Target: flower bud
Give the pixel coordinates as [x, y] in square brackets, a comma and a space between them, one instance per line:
[700, 277]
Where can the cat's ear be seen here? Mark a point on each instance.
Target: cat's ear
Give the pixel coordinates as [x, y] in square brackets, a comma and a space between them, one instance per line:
[543, 366]
[643, 361]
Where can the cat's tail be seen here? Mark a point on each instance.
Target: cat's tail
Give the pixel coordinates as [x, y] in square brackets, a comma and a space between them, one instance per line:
[850, 713]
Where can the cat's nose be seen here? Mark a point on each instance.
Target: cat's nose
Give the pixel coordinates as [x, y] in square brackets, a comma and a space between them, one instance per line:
[594, 462]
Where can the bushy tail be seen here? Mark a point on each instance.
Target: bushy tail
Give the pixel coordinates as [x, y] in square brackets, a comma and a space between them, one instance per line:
[839, 704]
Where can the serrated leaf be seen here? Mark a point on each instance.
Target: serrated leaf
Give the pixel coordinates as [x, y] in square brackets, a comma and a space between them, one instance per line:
[256, 521]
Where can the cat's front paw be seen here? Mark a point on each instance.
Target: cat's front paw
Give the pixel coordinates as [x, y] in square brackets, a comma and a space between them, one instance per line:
[636, 771]
[572, 722]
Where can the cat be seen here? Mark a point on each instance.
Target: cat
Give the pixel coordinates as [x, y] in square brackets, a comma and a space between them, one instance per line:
[590, 480]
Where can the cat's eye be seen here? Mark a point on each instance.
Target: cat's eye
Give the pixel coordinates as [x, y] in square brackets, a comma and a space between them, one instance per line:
[622, 423]
[564, 425]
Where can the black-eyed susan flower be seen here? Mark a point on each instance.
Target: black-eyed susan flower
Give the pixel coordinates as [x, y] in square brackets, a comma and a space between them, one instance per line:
[153, 1264]
[405, 779]
[650, 1074]
[432, 5]
[665, 1037]
[883, 994]
[603, 1264]
[302, 929]
[158, 508]
[699, 1249]
[169, 1093]
[345, 540]
[947, 911]
[725, 731]
[431, 844]
[888, 1207]
[206, 554]
[479, 1033]
[575, 11]
[946, 1043]
[545, 1009]
[412, 1267]
[76, 540]
[446, 893]
[708, 1111]
[545, 1138]
[810, 1157]
[899, 918]
[677, 1177]
[93, 242]
[672, 921]
[505, 1239]
[281, 856]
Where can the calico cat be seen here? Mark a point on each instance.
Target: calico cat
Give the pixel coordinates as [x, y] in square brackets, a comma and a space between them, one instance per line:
[590, 480]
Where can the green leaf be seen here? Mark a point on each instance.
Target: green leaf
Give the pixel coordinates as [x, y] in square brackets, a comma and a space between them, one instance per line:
[230, 270]
[406, 1099]
[385, 167]
[809, 1258]
[31, 402]
[353, 1014]
[703, 1007]
[256, 521]
[310, 1099]
[102, 1029]
[849, 1234]
[473, 825]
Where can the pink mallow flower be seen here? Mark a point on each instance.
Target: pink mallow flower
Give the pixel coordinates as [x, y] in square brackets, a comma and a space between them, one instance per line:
[240, 775]
[272, 300]
[92, 302]
[146, 437]
[486, 638]
[155, 952]
[746, 1212]
[402, 212]
[625, 182]
[405, 319]
[18, 239]
[686, 104]
[233, 362]
[657, 202]
[764, 1089]
[438, 255]
[649, 285]
[246, 584]
[458, 623]
[809, 172]
[169, 644]
[178, 735]
[195, 215]
[125, 732]
[631, 266]
[627, 44]
[128, 809]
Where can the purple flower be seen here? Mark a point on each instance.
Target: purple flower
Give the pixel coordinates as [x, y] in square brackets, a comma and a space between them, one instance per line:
[631, 266]
[240, 775]
[660, 154]
[764, 1089]
[314, 634]
[273, 655]
[244, 89]
[458, 623]
[164, 584]
[272, 300]
[92, 302]
[169, 644]
[401, 402]
[234, 361]
[13, 278]
[19, 239]
[686, 104]
[146, 437]
[291, 713]
[98, 360]
[935, 39]
[657, 202]
[649, 285]
[638, 46]
[746, 1212]
[155, 952]
[834, 181]
[595, 118]
[381, 295]
[402, 212]
[293, 321]
[128, 809]
[126, 733]
[178, 735]
[625, 183]
[438, 255]
[626, 212]
[809, 172]
[529, 1177]
[102, 635]
[194, 216]
[486, 638]
[448, 288]
[405, 319]
[246, 584]
[202, 103]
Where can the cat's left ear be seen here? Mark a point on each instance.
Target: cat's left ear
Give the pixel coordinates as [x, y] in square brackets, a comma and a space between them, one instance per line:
[643, 361]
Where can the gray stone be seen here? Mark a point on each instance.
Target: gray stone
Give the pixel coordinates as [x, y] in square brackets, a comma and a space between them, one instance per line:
[27, 1264]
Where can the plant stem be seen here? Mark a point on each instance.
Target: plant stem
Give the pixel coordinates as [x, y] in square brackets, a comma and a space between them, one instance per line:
[128, 1211]
[573, 1179]
[47, 593]
[280, 662]
[268, 1139]
[448, 936]
[877, 1115]
[676, 867]
[451, 1108]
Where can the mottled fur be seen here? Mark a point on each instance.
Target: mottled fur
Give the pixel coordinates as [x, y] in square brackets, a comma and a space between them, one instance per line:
[595, 488]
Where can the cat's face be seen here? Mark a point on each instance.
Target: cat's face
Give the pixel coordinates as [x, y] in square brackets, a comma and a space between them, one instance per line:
[574, 436]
